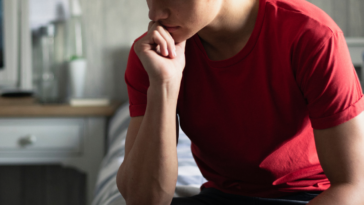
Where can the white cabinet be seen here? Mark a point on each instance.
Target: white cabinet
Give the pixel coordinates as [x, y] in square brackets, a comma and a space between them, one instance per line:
[71, 141]
[32, 136]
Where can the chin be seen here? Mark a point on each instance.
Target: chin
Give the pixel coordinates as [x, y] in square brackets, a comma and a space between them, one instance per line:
[181, 37]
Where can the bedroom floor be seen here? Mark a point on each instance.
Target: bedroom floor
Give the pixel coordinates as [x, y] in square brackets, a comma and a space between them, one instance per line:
[42, 185]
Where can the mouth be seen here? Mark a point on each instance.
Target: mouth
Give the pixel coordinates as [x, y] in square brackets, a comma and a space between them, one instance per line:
[170, 28]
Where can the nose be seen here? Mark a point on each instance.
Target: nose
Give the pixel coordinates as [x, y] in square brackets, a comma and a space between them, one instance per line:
[157, 10]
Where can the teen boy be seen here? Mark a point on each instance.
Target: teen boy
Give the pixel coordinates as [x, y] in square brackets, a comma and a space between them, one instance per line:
[266, 92]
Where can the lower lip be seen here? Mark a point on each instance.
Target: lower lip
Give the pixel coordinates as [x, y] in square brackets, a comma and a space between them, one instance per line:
[171, 29]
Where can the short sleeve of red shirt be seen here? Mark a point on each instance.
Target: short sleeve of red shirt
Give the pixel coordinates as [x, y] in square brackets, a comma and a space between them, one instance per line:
[328, 81]
[137, 82]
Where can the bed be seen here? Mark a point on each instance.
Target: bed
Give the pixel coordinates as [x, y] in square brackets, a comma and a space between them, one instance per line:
[106, 193]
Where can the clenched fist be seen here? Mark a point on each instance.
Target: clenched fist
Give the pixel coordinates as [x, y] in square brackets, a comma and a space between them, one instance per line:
[163, 60]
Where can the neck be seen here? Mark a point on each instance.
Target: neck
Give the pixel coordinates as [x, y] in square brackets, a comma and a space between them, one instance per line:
[233, 24]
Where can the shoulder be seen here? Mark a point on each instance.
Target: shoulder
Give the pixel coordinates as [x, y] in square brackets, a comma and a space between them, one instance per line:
[305, 22]
[301, 27]
[303, 12]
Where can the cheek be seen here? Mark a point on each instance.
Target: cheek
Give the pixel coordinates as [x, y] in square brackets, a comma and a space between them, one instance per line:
[193, 21]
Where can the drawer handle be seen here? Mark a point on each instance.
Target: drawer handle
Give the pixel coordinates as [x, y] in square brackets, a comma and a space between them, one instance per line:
[28, 140]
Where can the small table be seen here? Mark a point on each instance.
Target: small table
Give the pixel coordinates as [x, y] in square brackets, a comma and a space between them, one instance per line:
[49, 134]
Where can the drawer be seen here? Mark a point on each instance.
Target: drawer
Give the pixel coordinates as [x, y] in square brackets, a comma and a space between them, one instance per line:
[40, 135]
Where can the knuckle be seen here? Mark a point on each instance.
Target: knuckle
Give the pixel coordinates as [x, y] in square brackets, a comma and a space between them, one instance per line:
[160, 28]
[150, 24]
[137, 47]
[155, 33]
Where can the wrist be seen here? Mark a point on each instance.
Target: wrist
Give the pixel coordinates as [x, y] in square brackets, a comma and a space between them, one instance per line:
[167, 93]
[168, 90]
[171, 81]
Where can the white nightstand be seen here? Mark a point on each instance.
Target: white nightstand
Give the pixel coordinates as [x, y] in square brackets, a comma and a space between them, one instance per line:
[49, 134]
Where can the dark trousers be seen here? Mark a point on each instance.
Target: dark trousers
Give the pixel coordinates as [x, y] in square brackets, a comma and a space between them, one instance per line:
[211, 196]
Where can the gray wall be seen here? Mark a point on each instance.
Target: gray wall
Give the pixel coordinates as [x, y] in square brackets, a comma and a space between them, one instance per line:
[348, 14]
[112, 25]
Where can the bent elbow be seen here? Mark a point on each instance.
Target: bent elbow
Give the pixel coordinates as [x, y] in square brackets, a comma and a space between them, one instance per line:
[136, 192]
[146, 200]
[138, 197]
[120, 184]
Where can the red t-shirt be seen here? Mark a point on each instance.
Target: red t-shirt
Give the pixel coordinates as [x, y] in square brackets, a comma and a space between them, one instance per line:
[251, 117]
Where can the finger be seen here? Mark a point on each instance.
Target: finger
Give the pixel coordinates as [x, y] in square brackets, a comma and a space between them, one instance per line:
[159, 40]
[170, 41]
[150, 24]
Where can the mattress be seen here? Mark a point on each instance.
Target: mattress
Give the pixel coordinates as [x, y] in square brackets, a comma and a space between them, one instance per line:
[106, 193]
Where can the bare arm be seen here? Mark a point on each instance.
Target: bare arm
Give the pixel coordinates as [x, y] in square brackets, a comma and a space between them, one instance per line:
[148, 173]
[340, 150]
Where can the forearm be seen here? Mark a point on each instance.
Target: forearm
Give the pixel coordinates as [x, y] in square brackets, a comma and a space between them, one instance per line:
[148, 175]
[345, 194]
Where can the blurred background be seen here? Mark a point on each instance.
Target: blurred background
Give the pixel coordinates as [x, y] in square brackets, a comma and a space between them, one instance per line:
[43, 39]
[57, 50]
[108, 30]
